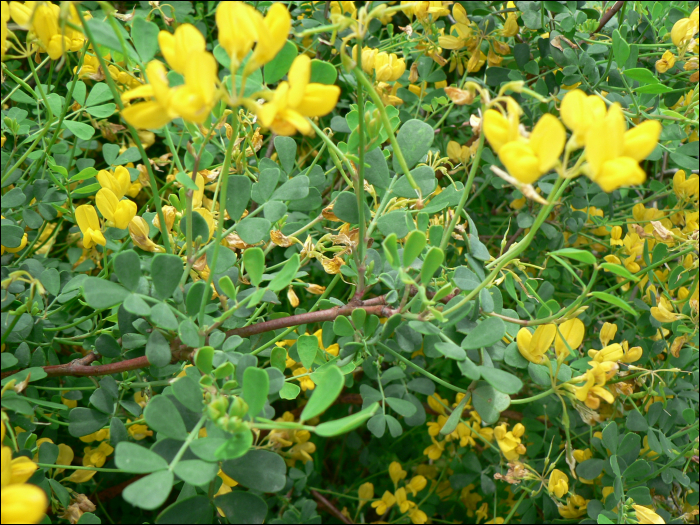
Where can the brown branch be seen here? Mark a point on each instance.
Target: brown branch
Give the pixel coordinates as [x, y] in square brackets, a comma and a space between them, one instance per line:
[607, 16]
[331, 508]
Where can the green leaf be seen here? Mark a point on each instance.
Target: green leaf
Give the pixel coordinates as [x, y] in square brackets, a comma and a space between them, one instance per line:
[150, 492]
[145, 37]
[137, 306]
[431, 264]
[195, 509]
[393, 222]
[188, 332]
[278, 66]
[256, 385]
[345, 208]
[401, 406]
[284, 277]
[636, 422]
[162, 416]
[424, 177]
[642, 75]
[104, 35]
[84, 421]
[137, 459]
[294, 189]
[590, 469]
[451, 350]
[414, 138]
[376, 169]
[486, 333]
[196, 472]
[413, 247]
[391, 251]
[204, 359]
[80, 130]
[102, 111]
[456, 415]
[107, 346]
[469, 369]
[307, 347]
[188, 392]
[158, 349]
[127, 266]
[163, 317]
[578, 255]
[267, 182]
[501, 380]
[242, 507]
[235, 446]
[290, 391]
[166, 272]
[329, 384]
[614, 300]
[323, 72]
[620, 270]
[254, 229]
[621, 49]
[286, 148]
[237, 195]
[254, 261]
[260, 470]
[101, 293]
[346, 424]
[610, 437]
[489, 403]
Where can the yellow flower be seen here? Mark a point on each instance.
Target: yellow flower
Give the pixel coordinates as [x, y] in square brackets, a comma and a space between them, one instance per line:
[573, 332]
[138, 230]
[613, 153]
[96, 457]
[4, 17]
[294, 100]
[686, 188]
[21, 502]
[272, 35]
[592, 391]
[118, 212]
[368, 56]
[139, 432]
[365, 493]
[388, 67]
[192, 100]
[683, 30]
[403, 502]
[416, 484]
[177, 48]
[246, 20]
[499, 129]
[575, 507]
[306, 383]
[396, 473]
[44, 21]
[388, 500]
[663, 313]
[89, 225]
[558, 483]
[533, 346]
[22, 245]
[616, 236]
[666, 62]
[435, 450]
[578, 111]
[646, 515]
[528, 160]
[100, 435]
[509, 441]
[418, 516]
[117, 182]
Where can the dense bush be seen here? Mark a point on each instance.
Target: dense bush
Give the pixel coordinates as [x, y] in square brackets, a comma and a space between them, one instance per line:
[395, 262]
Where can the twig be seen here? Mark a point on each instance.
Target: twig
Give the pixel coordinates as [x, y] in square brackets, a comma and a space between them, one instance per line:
[331, 508]
[607, 16]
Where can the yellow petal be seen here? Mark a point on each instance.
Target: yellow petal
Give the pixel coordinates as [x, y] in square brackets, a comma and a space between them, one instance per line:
[573, 332]
[520, 161]
[496, 128]
[547, 141]
[299, 75]
[622, 171]
[605, 139]
[319, 100]
[641, 140]
[23, 503]
[146, 115]
[107, 203]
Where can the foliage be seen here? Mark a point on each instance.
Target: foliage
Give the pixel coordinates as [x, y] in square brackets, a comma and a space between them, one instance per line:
[401, 262]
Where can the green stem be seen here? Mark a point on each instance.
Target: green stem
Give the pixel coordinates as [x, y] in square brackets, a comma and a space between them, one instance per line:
[192, 436]
[533, 398]
[360, 185]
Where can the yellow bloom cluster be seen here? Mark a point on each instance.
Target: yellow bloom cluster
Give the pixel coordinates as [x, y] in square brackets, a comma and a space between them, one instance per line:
[21, 501]
[400, 495]
[47, 25]
[301, 448]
